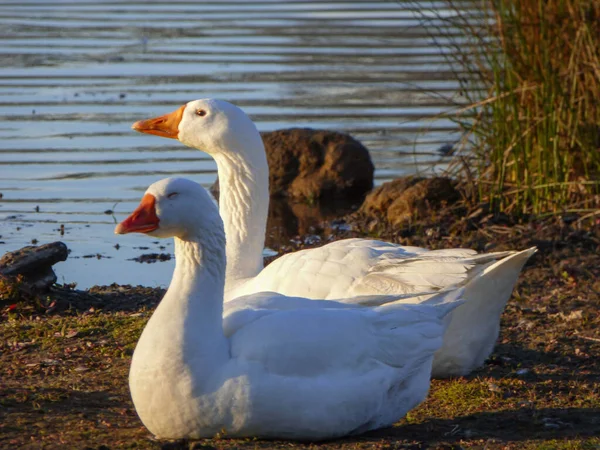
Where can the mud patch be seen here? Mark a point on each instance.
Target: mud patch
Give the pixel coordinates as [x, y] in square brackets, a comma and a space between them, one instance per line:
[150, 258]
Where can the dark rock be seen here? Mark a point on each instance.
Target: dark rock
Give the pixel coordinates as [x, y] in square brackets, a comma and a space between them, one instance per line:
[447, 149]
[378, 201]
[34, 264]
[408, 198]
[312, 164]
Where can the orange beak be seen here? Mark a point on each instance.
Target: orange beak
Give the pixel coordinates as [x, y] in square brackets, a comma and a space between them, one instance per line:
[165, 126]
[142, 220]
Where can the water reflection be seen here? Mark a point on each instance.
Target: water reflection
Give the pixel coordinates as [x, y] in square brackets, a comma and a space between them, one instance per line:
[287, 220]
[75, 76]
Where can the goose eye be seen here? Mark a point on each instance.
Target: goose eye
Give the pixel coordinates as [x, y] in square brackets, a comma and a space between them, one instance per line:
[200, 112]
[172, 195]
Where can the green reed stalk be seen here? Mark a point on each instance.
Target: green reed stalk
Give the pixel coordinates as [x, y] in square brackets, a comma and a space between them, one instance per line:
[531, 72]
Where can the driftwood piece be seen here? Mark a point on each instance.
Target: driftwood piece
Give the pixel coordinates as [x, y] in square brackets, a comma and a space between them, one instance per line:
[34, 264]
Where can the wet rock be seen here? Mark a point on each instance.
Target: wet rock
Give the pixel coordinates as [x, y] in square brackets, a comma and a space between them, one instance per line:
[34, 264]
[447, 149]
[311, 164]
[408, 198]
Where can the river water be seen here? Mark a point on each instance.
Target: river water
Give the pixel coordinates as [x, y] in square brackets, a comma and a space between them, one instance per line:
[74, 76]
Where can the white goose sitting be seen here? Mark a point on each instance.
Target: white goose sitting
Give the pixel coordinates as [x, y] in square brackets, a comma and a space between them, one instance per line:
[273, 367]
[342, 269]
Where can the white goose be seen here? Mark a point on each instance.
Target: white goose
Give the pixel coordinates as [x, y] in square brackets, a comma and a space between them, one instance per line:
[342, 269]
[273, 367]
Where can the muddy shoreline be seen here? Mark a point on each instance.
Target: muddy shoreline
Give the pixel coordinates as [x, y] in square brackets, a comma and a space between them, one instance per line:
[64, 366]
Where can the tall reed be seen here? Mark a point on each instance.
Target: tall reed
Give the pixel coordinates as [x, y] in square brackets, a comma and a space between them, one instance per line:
[530, 70]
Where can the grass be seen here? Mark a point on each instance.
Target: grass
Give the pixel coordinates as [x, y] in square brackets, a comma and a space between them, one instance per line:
[530, 72]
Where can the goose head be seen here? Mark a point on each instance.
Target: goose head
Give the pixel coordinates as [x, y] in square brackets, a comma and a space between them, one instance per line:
[213, 126]
[174, 207]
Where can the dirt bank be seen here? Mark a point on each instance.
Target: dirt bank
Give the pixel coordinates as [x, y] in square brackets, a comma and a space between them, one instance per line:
[64, 358]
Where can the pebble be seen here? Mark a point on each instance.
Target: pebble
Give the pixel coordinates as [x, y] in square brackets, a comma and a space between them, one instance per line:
[494, 388]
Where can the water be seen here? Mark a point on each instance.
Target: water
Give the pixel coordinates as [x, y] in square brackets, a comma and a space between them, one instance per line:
[74, 76]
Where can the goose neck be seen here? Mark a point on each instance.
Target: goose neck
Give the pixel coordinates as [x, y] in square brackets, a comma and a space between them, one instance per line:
[244, 207]
[188, 323]
[198, 282]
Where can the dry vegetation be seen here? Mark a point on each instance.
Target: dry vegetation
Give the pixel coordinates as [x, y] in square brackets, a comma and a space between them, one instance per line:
[530, 72]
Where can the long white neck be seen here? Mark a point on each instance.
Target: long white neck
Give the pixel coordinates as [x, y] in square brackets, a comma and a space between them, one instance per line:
[186, 330]
[244, 207]
[198, 284]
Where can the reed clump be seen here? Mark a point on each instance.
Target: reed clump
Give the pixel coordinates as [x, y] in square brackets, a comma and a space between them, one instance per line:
[530, 70]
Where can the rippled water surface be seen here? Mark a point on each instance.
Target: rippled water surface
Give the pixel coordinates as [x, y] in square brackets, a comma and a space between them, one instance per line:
[74, 76]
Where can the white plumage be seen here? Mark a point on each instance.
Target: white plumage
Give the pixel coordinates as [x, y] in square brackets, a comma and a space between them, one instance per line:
[273, 366]
[343, 269]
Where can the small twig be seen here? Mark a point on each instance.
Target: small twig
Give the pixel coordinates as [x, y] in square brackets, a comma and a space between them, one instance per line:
[589, 338]
[588, 216]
